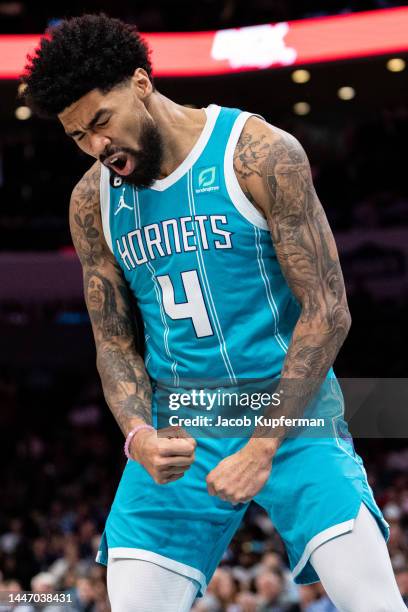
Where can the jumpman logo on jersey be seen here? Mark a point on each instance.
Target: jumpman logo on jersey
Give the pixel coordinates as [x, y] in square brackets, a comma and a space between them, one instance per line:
[122, 203]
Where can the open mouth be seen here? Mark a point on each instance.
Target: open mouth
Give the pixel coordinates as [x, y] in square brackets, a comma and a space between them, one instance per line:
[121, 163]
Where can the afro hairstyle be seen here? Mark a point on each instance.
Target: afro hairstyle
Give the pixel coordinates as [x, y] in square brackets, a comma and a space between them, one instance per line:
[78, 55]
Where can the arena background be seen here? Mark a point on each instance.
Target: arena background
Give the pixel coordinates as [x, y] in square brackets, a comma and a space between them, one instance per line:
[61, 451]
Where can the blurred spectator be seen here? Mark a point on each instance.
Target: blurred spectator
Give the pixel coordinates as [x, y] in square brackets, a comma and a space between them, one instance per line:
[223, 587]
[83, 595]
[315, 599]
[44, 582]
[269, 587]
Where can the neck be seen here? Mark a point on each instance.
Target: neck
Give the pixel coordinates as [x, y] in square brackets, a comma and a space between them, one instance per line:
[179, 127]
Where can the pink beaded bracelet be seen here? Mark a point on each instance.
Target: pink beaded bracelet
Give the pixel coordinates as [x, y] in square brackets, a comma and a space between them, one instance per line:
[130, 436]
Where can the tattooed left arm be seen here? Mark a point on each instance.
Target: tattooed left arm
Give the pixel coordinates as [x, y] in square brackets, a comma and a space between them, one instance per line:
[274, 172]
[273, 168]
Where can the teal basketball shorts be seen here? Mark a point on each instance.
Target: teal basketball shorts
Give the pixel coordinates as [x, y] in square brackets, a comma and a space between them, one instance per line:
[313, 494]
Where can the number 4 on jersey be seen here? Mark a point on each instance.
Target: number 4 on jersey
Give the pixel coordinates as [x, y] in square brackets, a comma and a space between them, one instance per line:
[194, 308]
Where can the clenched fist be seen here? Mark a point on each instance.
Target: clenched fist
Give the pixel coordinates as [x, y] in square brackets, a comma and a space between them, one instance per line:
[239, 477]
[166, 454]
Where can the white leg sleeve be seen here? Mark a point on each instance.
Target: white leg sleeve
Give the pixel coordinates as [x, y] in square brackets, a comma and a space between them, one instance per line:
[140, 586]
[355, 569]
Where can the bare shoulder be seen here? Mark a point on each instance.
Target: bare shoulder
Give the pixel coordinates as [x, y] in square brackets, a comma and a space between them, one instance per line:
[263, 156]
[85, 195]
[85, 219]
[260, 144]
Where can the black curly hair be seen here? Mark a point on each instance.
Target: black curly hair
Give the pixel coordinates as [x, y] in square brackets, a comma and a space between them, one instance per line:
[78, 55]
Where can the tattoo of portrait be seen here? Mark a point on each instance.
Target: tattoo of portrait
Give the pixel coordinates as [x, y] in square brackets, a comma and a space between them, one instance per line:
[125, 382]
[102, 306]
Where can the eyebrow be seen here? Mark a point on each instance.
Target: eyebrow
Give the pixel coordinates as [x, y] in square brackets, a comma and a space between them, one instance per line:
[91, 124]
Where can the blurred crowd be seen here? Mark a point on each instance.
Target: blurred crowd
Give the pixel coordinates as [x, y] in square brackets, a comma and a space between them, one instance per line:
[61, 461]
[178, 15]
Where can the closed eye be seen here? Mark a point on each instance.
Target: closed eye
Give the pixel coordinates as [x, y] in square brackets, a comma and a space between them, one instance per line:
[78, 137]
[103, 123]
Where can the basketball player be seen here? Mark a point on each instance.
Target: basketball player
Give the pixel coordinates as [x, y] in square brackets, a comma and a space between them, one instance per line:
[209, 217]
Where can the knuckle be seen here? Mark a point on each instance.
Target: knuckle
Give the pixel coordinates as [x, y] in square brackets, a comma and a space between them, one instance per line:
[157, 465]
[161, 450]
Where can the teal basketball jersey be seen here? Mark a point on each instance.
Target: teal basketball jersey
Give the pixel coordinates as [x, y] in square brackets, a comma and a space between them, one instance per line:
[199, 258]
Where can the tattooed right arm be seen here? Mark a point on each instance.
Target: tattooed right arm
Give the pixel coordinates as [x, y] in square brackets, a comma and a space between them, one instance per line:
[125, 382]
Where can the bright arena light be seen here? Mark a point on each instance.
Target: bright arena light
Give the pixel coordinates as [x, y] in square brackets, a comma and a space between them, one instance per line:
[301, 76]
[301, 108]
[346, 93]
[22, 113]
[21, 88]
[396, 64]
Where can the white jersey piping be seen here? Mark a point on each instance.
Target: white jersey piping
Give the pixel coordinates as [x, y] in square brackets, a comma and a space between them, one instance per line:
[104, 197]
[212, 111]
[237, 196]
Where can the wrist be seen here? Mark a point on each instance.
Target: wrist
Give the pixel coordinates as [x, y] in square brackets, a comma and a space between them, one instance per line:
[134, 440]
[266, 446]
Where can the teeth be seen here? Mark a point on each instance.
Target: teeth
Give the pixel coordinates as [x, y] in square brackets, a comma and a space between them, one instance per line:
[113, 160]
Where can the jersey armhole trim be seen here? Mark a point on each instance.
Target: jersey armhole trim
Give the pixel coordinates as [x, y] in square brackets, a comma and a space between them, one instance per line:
[237, 196]
[104, 191]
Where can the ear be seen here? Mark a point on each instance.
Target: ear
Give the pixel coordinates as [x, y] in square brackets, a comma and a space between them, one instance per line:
[141, 83]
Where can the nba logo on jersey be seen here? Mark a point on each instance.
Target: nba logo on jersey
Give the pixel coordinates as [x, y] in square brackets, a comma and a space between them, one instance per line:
[207, 180]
